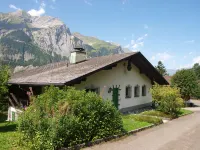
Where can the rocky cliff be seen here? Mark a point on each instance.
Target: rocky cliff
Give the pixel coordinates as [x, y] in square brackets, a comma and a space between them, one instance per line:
[27, 40]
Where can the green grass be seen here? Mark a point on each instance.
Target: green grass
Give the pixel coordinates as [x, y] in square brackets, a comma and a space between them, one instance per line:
[9, 138]
[130, 124]
[161, 114]
[156, 113]
[142, 118]
[184, 112]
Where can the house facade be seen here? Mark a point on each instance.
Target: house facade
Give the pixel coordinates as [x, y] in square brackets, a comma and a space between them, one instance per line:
[125, 79]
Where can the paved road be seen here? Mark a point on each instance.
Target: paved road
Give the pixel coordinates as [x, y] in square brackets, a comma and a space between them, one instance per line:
[179, 134]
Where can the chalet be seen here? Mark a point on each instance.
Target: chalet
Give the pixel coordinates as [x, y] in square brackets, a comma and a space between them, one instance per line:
[125, 78]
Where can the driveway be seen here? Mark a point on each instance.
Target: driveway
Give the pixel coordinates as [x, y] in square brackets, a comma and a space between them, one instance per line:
[180, 134]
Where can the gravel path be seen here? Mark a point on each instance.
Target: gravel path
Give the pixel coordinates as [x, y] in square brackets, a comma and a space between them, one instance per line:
[180, 134]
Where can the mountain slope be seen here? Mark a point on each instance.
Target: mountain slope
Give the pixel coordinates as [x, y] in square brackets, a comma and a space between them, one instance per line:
[98, 47]
[27, 40]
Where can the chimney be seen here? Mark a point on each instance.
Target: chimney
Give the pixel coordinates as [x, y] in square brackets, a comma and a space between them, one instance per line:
[77, 55]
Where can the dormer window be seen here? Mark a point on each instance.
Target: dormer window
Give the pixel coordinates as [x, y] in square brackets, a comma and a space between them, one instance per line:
[137, 91]
[144, 90]
[128, 91]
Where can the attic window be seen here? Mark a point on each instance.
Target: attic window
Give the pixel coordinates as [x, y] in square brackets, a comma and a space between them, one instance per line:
[128, 91]
[144, 90]
[137, 91]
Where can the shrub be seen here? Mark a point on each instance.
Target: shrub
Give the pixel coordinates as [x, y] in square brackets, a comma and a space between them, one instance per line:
[68, 117]
[167, 99]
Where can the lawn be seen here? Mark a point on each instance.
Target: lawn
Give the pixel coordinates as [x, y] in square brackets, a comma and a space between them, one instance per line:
[163, 115]
[130, 124]
[8, 135]
[184, 112]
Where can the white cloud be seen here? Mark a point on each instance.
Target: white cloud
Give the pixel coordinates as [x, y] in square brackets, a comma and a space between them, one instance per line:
[136, 44]
[34, 12]
[36, 1]
[190, 41]
[153, 58]
[124, 1]
[52, 7]
[190, 53]
[184, 57]
[162, 56]
[54, 1]
[194, 61]
[87, 2]
[39, 12]
[146, 26]
[14, 7]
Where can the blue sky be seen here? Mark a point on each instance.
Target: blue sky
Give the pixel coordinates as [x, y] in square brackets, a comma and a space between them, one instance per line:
[162, 30]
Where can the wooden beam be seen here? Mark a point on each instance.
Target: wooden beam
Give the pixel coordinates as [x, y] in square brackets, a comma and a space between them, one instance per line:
[15, 99]
[10, 100]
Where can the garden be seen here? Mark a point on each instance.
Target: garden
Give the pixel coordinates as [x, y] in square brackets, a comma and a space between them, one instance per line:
[68, 117]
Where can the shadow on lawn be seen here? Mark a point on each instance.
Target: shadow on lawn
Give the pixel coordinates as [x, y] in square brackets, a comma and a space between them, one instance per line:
[6, 126]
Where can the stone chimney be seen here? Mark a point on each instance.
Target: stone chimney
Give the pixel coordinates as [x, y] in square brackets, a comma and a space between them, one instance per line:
[78, 55]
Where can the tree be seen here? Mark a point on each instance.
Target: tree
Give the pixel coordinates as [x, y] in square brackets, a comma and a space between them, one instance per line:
[161, 68]
[196, 69]
[4, 77]
[186, 80]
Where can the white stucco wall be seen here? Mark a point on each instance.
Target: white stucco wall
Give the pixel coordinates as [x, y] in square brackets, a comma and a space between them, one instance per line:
[119, 75]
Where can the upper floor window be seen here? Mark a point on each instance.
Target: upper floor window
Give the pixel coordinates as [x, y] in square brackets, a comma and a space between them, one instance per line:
[137, 91]
[144, 90]
[128, 91]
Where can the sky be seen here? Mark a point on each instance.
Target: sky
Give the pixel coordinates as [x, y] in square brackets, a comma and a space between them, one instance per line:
[166, 30]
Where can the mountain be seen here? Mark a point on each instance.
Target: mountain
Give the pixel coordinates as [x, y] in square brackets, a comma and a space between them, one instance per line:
[26, 40]
[96, 47]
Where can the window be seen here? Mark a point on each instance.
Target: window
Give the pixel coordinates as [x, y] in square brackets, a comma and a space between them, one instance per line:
[128, 91]
[95, 90]
[137, 91]
[144, 90]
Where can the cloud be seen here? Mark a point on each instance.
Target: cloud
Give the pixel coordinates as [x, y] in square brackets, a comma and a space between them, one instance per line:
[162, 56]
[52, 7]
[136, 44]
[194, 61]
[14, 7]
[146, 26]
[124, 2]
[54, 1]
[39, 12]
[124, 39]
[153, 58]
[34, 12]
[36, 1]
[87, 2]
[190, 53]
[190, 41]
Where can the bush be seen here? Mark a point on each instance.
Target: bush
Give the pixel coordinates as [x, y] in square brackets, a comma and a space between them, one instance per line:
[63, 118]
[167, 99]
[186, 80]
[142, 118]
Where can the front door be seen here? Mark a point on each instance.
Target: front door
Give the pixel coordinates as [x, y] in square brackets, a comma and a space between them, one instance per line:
[115, 96]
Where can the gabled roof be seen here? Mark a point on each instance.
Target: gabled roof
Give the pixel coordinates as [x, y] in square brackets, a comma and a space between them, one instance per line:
[64, 73]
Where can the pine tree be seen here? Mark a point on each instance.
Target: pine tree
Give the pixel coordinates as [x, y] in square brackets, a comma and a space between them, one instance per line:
[161, 68]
